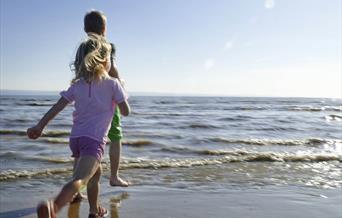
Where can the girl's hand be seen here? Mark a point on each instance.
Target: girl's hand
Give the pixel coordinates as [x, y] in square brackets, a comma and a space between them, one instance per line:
[34, 132]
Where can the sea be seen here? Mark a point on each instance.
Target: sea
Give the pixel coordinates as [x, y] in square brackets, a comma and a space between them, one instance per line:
[192, 143]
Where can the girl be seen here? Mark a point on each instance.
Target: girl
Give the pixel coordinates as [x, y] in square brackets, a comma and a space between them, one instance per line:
[95, 23]
[95, 95]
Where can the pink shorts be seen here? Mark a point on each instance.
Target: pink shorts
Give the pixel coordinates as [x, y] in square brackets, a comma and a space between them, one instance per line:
[85, 146]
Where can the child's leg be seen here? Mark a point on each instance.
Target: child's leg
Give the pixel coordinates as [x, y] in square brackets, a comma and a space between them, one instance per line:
[115, 136]
[76, 159]
[114, 156]
[93, 189]
[86, 168]
[78, 196]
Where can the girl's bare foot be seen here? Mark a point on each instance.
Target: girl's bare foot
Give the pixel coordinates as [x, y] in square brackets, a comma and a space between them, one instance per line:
[117, 181]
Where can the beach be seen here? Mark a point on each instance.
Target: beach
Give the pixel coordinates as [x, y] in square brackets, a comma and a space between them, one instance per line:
[229, 109]
[154, 201]
[186, 157]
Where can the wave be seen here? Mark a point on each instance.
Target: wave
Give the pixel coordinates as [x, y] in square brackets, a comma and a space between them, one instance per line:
[56, 133]
[332, 108]
[54, 140]
[10, 154]
[159, 114]
[154, 135]
[35, 99]
[288, 108]
[17, 174]
[22, 156]
[201, 126]
[333, 117]
[17, 120]
[51, 137]
[229, 157]
[236, 118]
[34, 104]
[164, 102]
[184, 150]
[29, 99]
[12, 132]
[315, 109]
[51, 159]
[276, 128]
[137, 143]
[246, 108]
[284, 142]
[53, 133]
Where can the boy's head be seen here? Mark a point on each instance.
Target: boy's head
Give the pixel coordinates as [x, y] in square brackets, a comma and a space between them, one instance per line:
[95, 21]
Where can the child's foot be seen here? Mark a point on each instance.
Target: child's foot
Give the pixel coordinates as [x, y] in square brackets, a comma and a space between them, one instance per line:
[46, 209]
[102, 212]
[78, 197]
[117, 181]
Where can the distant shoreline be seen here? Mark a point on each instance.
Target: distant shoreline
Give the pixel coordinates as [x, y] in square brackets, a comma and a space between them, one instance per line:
[7, 92]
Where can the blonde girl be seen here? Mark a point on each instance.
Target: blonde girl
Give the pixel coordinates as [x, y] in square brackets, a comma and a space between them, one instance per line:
[95, 96]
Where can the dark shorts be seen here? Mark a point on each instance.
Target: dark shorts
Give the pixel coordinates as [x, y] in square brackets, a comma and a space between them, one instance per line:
[85, 146]
[115, 131]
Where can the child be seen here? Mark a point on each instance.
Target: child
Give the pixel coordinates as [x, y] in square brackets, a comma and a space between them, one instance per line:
[95, 23]
[95, 96]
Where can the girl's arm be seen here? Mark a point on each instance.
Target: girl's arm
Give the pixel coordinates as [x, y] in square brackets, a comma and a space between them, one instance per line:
[36, 131]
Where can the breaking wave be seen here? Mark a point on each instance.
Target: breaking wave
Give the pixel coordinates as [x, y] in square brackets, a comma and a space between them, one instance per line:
[226, 157]
[284, 142]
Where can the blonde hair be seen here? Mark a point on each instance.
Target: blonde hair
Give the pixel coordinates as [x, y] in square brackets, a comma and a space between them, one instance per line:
[91, 59]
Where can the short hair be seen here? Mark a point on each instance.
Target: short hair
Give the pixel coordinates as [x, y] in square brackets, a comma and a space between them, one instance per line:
[95, 21]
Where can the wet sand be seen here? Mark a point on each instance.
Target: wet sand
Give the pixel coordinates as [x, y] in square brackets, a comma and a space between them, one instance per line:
[155, 202]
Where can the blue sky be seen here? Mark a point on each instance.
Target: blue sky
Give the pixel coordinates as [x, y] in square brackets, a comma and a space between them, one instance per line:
[215, 47]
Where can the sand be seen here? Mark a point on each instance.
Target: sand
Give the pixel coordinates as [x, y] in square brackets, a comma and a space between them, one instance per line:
[157, 201]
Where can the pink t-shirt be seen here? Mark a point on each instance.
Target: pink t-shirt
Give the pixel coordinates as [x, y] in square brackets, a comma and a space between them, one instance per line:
[94, 107]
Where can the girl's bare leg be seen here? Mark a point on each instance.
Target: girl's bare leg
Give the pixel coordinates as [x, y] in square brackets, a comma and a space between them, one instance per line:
[93, 189]
[114, 156]
[76, 159]
[78, 196]
[85, 170]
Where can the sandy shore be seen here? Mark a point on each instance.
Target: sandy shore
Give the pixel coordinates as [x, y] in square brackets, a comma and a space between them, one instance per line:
[155, 202]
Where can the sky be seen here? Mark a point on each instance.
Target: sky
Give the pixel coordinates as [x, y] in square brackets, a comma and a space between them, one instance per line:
[285, 48]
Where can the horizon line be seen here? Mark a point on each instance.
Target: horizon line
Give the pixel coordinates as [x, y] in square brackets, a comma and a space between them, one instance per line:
[15, 92]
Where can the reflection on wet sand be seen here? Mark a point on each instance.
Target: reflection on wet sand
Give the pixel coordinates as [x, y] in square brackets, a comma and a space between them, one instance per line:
[114, 203]
[74, 210]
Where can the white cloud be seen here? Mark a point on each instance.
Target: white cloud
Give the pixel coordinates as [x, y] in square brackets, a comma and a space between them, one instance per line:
[269, 4]
[229, 44]
[209, 63]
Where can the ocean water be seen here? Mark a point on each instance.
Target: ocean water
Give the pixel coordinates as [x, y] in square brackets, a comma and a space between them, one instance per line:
[189, 142]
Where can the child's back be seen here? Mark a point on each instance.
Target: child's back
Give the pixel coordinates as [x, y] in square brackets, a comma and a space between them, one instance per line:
[94, 106]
